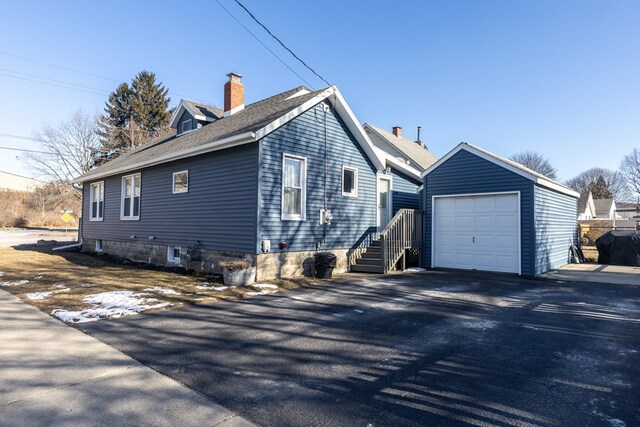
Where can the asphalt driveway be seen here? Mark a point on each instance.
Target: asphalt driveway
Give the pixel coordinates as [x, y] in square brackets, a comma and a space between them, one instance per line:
[429, 349]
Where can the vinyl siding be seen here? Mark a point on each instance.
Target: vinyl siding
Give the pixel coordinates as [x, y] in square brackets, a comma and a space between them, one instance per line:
[555, 226]
[219, 209]
[353, 217]
[466, 173]
[404, 192]
[186, 116]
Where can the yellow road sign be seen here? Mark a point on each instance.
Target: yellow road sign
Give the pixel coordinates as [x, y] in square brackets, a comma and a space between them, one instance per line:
[66, 217]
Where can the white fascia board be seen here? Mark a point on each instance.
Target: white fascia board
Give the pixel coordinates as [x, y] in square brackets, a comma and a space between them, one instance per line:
[356, 129]
[220, 144]
[177, 113]
[282, 120]
[398, 164]
[538, 180]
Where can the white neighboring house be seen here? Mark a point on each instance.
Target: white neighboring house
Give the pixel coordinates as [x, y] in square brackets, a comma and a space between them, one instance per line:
[13, 182]
[605, 209]
[586, 207]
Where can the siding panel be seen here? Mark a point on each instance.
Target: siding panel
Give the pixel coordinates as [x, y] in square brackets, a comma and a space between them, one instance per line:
[404, 192]
[555, 224]
[353, 219]
[466, 173]
[219, 210]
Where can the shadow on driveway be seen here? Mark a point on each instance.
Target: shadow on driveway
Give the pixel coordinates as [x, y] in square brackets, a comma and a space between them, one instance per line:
[437, 348]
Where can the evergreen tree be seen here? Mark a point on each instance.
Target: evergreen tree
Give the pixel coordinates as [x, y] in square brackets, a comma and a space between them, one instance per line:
[133, 114]
[600, 189]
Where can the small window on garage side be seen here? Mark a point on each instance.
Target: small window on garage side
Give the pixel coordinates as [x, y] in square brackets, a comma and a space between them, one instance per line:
[173, 254]
[349, 181]
[181, 182]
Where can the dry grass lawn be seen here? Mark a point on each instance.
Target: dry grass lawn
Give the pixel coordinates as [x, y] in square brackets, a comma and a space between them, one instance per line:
[67, 278]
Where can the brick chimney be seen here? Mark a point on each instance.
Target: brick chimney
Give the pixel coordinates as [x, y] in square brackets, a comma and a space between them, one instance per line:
[397, 131]
[233, 94]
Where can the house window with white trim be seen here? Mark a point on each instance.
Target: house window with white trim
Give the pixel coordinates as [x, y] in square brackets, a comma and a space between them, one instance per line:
[186, 126]
[349, 181]
[130, 197]
[294, 188]
[181, 182]
[96, 196]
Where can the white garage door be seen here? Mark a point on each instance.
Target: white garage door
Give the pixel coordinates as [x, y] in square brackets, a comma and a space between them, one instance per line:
[477, 232]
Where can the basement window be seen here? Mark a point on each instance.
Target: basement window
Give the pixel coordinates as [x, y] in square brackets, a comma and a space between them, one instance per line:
[349, 181]
[99, 245]
[173, 254]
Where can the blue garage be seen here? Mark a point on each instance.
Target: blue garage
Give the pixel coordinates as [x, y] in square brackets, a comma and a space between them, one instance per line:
[485, 212]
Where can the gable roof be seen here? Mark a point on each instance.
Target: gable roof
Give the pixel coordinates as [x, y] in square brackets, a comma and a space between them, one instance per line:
[586, 201]
[603, 207]
[248, 125]
[510, 165]
[198, 111]
[419, 157]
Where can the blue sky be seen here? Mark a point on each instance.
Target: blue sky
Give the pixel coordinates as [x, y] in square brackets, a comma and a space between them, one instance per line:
[559, 77]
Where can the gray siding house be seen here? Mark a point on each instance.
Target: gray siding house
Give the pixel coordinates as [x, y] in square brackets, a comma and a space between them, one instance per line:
[484, 212]
[251, 182]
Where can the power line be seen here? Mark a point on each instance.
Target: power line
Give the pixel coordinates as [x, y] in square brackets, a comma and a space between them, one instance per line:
[87, 74]
[281, 43]
[27, 151]
[51, 84]
[263, 45]
[54, 80]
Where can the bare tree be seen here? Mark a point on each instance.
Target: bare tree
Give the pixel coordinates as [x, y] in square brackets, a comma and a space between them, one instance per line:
[67, 148]
[536, 162]
[616, 183]
[630, 168]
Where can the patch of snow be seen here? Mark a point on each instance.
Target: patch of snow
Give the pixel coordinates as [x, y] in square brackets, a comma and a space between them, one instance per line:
[39, 295]
[163, 291]
[358, 311]
[212, 288]
[16, 283]
[1, 273]
[414, 270]
[39, 276]
[480, 324]
[109, 304]
[264, 286]
[253, 294]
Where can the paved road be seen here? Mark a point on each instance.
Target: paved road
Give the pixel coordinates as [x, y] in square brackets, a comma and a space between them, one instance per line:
[54, 375]
[23, 236]
[434, 349]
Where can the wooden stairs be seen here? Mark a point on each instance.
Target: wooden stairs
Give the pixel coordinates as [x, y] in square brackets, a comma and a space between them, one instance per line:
[371, 260]
[403, 233]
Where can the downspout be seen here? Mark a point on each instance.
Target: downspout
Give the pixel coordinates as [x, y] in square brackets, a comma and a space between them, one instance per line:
[73, 245]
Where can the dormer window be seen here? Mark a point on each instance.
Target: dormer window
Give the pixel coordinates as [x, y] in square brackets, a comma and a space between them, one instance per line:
[186, 126]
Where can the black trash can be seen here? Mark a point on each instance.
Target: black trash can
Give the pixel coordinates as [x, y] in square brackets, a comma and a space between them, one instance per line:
[325, 263]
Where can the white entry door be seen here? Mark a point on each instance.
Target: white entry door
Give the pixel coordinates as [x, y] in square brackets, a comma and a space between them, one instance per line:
[479, 232]
[384, 202]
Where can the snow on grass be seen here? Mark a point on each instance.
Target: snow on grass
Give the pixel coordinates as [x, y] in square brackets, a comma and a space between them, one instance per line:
[46, 294]
[163, 291]
[256, 293]
[264, 286]
[414, 270]
[206, 287]
[39, 295]
[39, 276]
[16, 283]
[1, 273]
[109, 304]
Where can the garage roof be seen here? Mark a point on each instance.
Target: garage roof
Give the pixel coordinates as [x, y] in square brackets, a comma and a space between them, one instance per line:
[510, 165]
